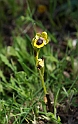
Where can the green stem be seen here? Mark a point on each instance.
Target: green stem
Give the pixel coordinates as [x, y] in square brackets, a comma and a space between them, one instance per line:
[42, 80]
[41, 71]
[55, 102]
[36, 57]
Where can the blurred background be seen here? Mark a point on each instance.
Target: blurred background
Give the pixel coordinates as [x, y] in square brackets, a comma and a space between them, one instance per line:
[21, 94]
[26, 17]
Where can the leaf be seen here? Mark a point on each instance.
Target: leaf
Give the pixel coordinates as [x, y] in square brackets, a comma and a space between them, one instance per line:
[52, 58]
[1, 88]
[6, 61]
[20, 43]
[21, 76]
[2, 76]
[11, 51]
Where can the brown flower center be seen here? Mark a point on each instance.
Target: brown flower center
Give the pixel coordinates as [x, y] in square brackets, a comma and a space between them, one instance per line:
[39, 41]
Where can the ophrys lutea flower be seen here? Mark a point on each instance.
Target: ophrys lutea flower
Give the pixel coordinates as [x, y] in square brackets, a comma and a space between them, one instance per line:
[40, 40]
[40, 63]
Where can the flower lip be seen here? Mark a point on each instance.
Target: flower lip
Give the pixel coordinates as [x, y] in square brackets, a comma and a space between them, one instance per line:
[39, 41]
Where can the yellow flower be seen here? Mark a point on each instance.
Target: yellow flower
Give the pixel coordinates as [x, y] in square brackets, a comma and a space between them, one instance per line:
[40, 40]
[41, 9]
[40, 63]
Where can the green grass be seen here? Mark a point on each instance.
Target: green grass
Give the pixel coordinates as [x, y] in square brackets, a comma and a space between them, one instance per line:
[21, 92]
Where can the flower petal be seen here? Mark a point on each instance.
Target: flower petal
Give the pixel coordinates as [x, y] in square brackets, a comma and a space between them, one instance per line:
[44, 35]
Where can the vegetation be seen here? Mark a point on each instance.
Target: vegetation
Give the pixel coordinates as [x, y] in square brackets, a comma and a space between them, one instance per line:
[23, 98]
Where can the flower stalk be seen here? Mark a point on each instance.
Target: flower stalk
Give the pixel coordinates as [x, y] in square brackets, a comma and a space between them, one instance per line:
[39, 41]
[42, 80]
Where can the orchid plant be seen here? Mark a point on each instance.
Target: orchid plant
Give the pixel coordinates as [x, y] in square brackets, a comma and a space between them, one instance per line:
[39, 41]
